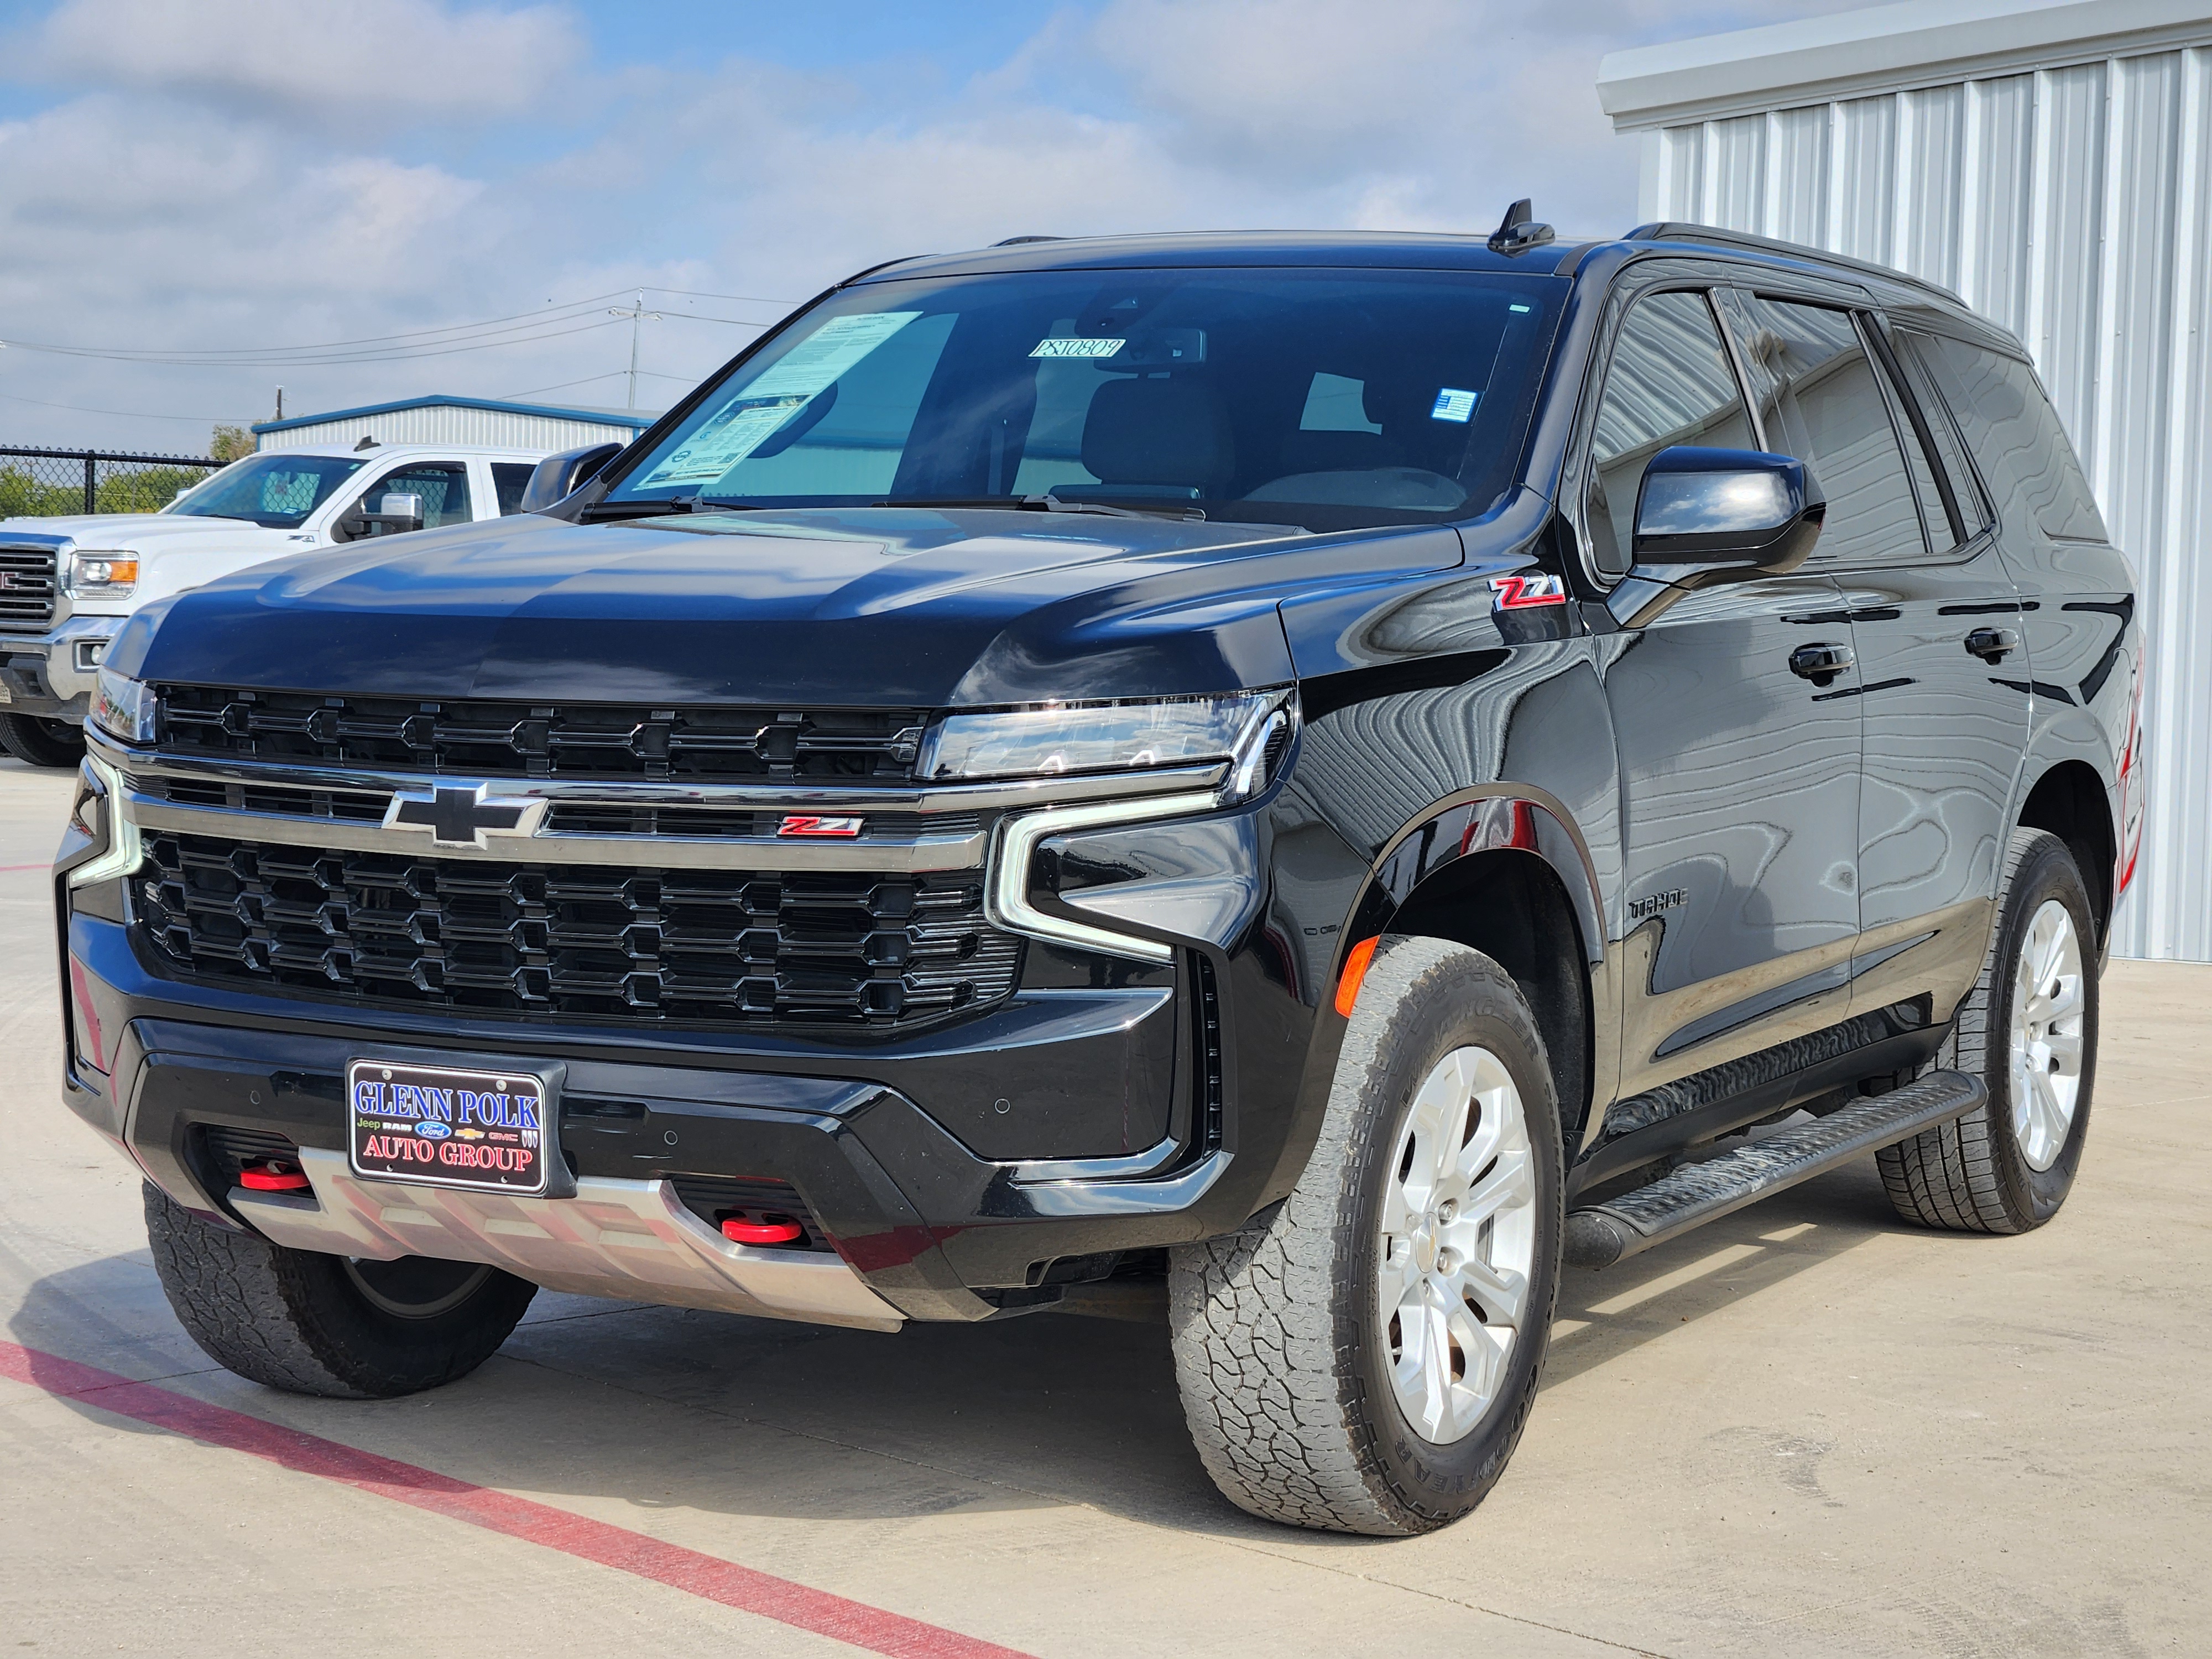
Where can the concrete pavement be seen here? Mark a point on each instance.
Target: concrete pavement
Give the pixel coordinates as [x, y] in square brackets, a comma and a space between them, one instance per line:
[1807, 1429]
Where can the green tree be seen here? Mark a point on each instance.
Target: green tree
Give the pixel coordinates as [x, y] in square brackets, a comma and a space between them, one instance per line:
[229, 443]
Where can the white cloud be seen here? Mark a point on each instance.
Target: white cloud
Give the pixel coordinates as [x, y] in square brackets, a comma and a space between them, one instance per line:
[396, 58]
[231, 174]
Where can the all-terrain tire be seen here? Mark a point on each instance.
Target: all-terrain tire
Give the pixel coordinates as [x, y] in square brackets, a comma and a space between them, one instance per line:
[310, 1323]
[37, 741]
[1281, 1346]
[1971, 1175]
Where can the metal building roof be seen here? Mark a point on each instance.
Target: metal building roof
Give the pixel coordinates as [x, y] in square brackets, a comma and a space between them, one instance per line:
[636, 419]
[1880, 49]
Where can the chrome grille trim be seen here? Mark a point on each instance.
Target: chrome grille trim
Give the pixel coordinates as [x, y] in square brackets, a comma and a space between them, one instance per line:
[964, 849]
[30, 583]
[1015, 795]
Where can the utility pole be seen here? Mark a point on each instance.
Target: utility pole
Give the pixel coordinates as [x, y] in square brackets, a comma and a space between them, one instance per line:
[280, 403]
[637, 314]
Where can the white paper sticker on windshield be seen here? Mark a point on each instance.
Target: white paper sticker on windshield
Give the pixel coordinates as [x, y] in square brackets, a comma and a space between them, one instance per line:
[1076, 348]
[1453, 404]
[826, 353]
[757, 413]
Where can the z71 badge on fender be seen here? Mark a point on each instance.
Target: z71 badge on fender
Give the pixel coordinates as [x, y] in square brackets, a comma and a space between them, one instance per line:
[1526, 592]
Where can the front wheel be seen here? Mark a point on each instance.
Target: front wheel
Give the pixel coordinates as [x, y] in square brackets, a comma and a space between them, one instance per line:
[1362, 1358]
[310, 1323]
[37, 741]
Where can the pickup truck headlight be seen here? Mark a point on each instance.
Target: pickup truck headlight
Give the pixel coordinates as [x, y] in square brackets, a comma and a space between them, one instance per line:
[1058, 740]
[123, 709]
[95, 575]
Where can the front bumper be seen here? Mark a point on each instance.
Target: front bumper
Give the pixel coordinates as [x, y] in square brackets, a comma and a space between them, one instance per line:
[923, 1227]
[52, 674]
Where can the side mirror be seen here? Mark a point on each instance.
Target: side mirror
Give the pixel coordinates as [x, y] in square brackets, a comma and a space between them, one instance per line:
[1706, 516]
[559, 477]
[395, 513]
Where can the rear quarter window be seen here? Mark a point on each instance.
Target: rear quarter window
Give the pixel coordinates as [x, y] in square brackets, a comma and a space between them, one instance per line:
[2014, 433]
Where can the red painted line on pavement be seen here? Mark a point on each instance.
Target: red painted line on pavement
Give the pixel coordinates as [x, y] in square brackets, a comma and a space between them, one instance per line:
[708, 1576]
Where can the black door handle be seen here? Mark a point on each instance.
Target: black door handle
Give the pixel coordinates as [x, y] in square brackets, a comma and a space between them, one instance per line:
[1991, 644]
[1819, 662]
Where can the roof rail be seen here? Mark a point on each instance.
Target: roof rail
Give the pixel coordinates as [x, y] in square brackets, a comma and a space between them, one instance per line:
[1675, 231]
[1011, 241]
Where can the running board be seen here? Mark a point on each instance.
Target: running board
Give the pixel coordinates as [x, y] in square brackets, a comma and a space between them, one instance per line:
[1698, 1193]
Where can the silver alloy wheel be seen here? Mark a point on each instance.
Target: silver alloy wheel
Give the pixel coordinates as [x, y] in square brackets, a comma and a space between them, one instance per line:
[2047, 1005]
[1458, 1243]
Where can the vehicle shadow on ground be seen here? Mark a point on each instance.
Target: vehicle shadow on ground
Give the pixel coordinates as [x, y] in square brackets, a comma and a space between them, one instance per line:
[665, 1408]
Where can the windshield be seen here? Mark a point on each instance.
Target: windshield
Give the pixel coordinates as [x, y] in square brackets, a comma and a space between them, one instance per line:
[276, 490]
[1328, 398]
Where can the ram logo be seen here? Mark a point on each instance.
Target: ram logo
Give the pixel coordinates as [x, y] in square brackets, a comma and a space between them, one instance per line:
[1526, 592]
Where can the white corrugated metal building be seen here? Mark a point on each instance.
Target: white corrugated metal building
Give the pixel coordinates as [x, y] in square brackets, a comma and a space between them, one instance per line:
[445, 420]
[2052, 164]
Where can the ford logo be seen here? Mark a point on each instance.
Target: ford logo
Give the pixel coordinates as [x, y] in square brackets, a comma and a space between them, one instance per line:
[432, 1130]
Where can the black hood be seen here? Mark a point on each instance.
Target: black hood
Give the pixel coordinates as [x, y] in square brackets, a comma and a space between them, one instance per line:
[826, 606]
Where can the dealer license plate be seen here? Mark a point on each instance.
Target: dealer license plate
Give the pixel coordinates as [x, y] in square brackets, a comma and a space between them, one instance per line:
[448, 1127]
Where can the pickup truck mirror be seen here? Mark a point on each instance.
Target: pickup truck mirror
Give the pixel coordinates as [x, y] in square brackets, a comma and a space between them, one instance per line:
[396, 512]
[560, 476]
[1704, 516]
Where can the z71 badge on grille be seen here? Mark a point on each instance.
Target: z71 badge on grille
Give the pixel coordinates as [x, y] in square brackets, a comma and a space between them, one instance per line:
[833, 829]
[464, 814]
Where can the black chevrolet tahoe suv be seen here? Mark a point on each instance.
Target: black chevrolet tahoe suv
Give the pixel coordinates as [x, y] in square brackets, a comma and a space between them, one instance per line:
[1314, 777]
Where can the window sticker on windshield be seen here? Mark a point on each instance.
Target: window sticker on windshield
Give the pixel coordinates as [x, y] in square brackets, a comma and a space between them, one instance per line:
[826, 353]
[1076, 348]
[1453, 404]
[758, 412]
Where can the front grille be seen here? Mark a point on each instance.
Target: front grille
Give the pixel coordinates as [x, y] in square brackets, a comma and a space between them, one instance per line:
[283, 800]
[27, 588]
[527, 741]
[855, 949]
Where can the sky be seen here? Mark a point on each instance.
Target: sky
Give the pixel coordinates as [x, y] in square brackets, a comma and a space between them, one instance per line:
[367, 200]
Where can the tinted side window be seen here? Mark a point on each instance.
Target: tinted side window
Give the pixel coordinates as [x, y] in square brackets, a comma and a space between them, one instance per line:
[2016, 433]
[1820, 400]
[1669, 382]
[1973, 511]
[510, 478]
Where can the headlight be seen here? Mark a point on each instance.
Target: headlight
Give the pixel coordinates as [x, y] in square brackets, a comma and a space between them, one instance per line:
[95, 575]
[124, 707]
[1063, 739]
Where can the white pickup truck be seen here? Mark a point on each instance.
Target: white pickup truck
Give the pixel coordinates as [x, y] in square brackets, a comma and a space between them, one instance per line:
[67, 584]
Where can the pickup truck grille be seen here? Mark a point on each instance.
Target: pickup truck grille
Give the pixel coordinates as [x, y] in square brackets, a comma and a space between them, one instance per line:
[727, 947]
[27, 580]
[559, 741]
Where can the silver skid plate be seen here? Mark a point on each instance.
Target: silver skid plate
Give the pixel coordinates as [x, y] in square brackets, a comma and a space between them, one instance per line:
[632, 1239]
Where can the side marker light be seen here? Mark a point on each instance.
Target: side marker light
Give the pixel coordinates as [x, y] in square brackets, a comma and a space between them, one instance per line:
[1355, 974]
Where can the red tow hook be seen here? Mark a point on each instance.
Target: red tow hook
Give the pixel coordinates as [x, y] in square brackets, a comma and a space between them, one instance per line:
[769, 1228]
[273, 1176]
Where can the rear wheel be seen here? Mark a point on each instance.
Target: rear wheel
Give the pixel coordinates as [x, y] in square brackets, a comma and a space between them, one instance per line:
[1362, 1358]
[310, 1323]
[2028, 1030]
[37, 741]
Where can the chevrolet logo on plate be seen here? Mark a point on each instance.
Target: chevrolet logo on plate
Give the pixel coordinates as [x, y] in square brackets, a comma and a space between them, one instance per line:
[464, 814]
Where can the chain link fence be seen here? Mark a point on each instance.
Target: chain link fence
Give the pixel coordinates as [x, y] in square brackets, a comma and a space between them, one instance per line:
[46, 483]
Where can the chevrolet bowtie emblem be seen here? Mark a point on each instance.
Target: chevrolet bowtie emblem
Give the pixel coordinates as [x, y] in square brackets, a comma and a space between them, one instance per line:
[463, 814]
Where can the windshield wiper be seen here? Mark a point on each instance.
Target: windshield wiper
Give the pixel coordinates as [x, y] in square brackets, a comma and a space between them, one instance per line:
[1046, 503]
